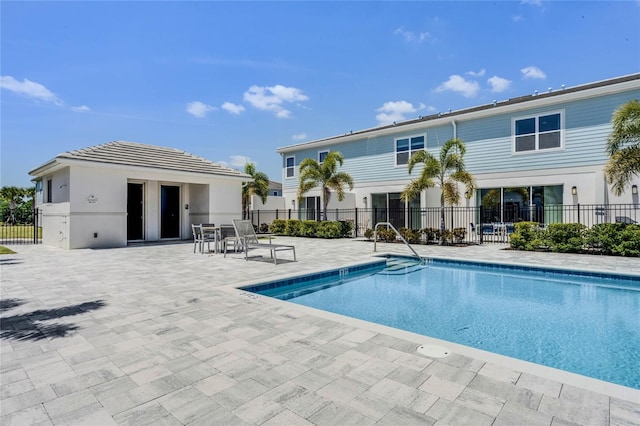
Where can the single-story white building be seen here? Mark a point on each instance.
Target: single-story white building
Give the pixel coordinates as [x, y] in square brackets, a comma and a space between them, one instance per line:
[119, 192]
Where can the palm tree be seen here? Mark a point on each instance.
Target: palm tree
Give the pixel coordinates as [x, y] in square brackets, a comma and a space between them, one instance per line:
[258, 186]
[623, 146]
[326, 176]
[445, 172]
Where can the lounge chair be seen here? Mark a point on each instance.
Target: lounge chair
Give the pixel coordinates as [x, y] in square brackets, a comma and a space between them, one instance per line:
[246, 238]
[625, 219]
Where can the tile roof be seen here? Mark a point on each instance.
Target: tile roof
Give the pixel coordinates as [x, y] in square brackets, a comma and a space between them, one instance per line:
[150, 156]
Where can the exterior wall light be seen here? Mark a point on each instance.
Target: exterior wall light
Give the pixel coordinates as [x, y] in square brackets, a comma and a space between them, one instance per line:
[574, 190]
[634, 189]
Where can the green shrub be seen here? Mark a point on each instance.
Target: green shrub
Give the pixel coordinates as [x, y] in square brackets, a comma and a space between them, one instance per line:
[412, 236]
[604, 237]
[278, 226]
[347, 228]
[368, 234]
[292, 227]
[387, 235]
[459, 234]
[565, 237]
[629, 244]
[308, 228]
[447, 236]
[264, 228]
[526, 236]
[431, 234]
[329, 229]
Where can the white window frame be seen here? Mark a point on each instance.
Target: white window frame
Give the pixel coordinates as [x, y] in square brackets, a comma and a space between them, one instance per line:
[537, 132]
[320, 153]
[411, 152]
[293, 168]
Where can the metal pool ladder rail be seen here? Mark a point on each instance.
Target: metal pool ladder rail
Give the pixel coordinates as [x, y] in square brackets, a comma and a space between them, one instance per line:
[375, 238]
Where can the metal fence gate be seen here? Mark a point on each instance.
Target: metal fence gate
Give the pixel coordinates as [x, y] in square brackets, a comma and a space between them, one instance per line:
[29, 232]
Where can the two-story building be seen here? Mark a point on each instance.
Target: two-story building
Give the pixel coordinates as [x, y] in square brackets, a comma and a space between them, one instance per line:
[527, 154]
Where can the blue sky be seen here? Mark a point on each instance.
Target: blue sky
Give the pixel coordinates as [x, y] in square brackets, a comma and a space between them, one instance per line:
[233, 81]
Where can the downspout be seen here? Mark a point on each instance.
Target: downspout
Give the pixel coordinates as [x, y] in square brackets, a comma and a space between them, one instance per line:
[455, 129]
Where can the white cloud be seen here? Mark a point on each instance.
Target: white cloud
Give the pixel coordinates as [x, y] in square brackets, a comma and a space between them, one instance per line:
[30, 89]
[456, 83]
[81, 108]
[532, 2]
[533, 72]
[516, 18]
[272, 98]
[499, 84]
[412, 37]
[232, 108]
[477, 74]
[394, 111]
[239, 160]
[199, 109]
[299, 137]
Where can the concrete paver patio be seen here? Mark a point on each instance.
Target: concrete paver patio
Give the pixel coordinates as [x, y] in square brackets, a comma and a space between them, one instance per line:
[154, 334]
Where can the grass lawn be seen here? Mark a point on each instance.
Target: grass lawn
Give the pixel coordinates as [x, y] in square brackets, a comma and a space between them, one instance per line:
[18, 231]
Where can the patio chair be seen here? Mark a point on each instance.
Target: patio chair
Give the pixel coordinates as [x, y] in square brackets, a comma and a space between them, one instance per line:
[509, 228]
[247, 239]
[228, 238]
[200, 238]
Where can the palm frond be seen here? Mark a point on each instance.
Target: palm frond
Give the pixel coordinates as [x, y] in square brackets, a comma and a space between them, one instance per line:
[625, 127]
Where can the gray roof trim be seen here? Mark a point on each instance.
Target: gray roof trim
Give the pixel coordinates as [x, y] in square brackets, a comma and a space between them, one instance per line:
[392, 128]
[134, 154]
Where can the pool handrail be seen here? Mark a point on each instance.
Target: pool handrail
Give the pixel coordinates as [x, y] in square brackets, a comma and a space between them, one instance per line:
[388, 224]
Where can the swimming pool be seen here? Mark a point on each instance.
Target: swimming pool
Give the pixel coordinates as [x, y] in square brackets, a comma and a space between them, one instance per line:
[585, 323]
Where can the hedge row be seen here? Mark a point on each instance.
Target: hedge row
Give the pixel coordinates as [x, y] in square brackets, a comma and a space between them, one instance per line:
[617, 239]
[417, 236]
[311, 228]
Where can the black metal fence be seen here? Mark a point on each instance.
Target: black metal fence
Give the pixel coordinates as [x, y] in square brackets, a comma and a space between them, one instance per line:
[481, 224]
[27, 232]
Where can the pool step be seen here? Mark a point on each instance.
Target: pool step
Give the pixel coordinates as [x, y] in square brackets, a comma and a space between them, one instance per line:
[400, 266]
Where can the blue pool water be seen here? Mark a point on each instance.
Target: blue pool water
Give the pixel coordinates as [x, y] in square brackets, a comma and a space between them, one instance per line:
[584, 323]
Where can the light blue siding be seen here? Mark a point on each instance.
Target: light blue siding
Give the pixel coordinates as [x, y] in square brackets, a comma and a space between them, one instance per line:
[489, 142]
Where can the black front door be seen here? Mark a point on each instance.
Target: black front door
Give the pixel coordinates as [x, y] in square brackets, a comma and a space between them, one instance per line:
[169, 211]
[135, 211]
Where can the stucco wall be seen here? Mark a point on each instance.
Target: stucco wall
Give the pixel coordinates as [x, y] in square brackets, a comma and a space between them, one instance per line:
[89, 203]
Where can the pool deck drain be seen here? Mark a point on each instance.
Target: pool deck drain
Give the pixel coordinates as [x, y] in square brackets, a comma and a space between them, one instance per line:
[433, 351]
[158, 335]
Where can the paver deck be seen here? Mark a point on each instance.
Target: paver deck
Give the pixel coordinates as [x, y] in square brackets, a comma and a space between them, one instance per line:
[155, 334]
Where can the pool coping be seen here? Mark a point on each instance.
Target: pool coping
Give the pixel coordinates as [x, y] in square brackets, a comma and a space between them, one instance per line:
[561, 376]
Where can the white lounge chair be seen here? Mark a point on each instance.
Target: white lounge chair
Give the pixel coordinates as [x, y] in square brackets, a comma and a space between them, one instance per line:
[247, 239]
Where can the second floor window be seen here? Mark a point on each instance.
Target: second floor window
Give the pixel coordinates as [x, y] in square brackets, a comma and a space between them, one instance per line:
[290, 166]
[538, 133]
[405, 148]
[321, 156]
[49, 191]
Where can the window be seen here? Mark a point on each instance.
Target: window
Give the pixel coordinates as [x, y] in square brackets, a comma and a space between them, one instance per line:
[49, 191]
[289, 166]
[406, 147]
[321, 156]
[538, 133]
